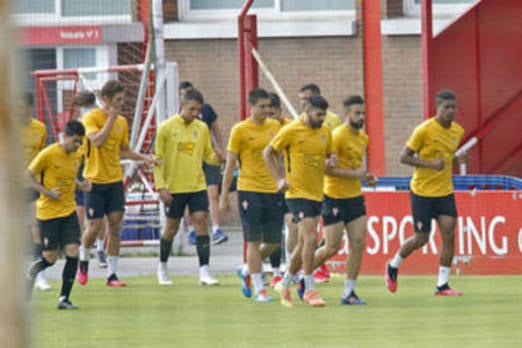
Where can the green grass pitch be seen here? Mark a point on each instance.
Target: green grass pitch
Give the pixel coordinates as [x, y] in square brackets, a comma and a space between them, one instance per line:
[186, 315]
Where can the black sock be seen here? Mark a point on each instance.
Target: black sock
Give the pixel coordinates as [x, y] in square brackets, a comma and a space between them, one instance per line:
[68, 275]
[37, 251]
[275, 258]
[203, 248]
[165, 248]
[38, 266]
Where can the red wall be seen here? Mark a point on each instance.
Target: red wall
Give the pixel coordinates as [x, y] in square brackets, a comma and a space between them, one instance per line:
[479, 57]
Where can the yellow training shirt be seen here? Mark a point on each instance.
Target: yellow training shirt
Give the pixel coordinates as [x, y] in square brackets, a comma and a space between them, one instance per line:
[305, 151]
[183, 148]
[102, 164]
[248, 140]
[34, 134]
[54, 167]
[350, 149]
[431, 141]
[331, 120]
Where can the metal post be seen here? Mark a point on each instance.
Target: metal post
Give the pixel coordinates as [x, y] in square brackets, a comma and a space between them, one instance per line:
[426, 48]
[373, 81]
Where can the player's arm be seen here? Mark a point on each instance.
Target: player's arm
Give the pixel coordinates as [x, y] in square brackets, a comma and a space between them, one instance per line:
[128, 153]
[275, 166]
[228, 176]
[216, 132]
[36, 168]
[210, 155]
[98, 137]
[408, 157]
[159, 169]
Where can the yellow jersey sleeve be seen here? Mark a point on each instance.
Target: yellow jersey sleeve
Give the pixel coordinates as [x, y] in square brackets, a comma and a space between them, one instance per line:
[35, 135]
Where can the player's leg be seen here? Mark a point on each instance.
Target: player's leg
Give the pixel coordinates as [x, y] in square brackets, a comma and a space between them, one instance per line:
[198, 207]
[446, 219]
[69, 241]
[213, 179]
[356, 230]
[95, 209]
[100, 243]
[49, 254]
[422, 211]
[173, 214]
[114, 209]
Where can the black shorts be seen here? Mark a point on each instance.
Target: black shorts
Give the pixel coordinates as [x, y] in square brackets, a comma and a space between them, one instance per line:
[303, 208]
[196, 201]
[426, 208]
[334, 210]
[59, 232]
[79, 197]
[212, 174]
[31, 194]
[261, 216]
[104, 199]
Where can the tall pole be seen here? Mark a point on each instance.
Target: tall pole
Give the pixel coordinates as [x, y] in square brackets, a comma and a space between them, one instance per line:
[373, 81]
[426, 49]
[14, 331]
[159, 64]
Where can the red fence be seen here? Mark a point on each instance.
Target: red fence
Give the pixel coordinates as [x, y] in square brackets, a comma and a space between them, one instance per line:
[488, 234]
[479, 58]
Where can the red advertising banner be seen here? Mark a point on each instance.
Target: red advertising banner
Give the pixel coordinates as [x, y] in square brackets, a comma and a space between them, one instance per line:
[85, 34]
[488, 236]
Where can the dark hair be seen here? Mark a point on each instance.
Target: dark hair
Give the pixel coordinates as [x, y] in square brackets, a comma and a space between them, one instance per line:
[353, 100]
[194, 94]
[444, 95]
[256, 94]
[312, 87]
[317, 101]
[85, 98]
[275, 101]
[29, 98]
[111, 88]
[74, 127]
[185, 85]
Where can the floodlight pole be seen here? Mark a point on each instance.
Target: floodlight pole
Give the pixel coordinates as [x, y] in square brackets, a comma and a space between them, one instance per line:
[428, 108]
[248, 69]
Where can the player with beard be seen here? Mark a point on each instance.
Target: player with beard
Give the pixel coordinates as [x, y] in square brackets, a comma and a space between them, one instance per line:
[307, 146]
[343, 205]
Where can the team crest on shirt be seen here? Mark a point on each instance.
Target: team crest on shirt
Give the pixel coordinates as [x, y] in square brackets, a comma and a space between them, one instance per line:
[118, 129]
[454, 141]
[196, 134]
[323, 139]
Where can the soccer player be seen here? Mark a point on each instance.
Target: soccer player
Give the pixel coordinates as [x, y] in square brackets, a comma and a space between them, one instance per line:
[343, 204]
[212, 172]
[260, 203]
[183, 143]
[107, 142]
[34, 139]
[431, 150]
[85, 101]
[307, 145]
[332, 120]
[53, 174]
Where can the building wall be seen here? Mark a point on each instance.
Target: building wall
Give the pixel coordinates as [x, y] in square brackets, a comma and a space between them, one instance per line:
[334, 63]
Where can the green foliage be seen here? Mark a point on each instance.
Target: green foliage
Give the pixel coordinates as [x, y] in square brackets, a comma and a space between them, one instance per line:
[186, 315]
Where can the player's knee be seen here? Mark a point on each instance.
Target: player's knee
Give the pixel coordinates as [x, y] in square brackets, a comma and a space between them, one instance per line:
[357, 244]
[421, 239]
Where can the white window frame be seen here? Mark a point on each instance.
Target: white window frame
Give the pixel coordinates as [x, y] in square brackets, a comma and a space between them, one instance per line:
[106, 55]
[439, 10]
[56, 18]
[269, 14]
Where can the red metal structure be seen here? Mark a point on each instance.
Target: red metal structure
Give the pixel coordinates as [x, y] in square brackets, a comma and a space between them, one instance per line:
[248, 71]
[478, 57]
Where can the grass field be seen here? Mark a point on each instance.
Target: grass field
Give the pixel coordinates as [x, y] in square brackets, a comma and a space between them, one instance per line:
[186, 315]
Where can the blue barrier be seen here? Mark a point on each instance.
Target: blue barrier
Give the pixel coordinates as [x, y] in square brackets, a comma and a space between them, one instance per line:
[460, 182]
